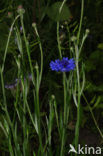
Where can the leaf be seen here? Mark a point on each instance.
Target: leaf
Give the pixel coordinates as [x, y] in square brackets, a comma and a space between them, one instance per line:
[54, 12]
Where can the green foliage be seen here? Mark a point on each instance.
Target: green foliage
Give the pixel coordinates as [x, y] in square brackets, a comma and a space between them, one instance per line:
[4, 29]
[58, 13]
[33, 121]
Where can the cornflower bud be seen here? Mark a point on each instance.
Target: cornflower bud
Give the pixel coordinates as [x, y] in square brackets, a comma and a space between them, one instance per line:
[9, 14]
[20, 9]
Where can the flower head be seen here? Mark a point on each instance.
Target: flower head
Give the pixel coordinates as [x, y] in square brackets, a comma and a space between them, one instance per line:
[17, 81]
[63, 65]
[55, 65]
[11, 86]
[20, 9]
[10, 14]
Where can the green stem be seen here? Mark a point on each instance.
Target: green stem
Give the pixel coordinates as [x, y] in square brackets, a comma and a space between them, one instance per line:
[5, 53]
[24, 115]
[38, 111]
[93, 117]
[27, 48]
[41, 50]
[58, 40]
[6, 111]
[65, 116]
[81, 19]
[78, 78]
[78, 100]
[60, 9]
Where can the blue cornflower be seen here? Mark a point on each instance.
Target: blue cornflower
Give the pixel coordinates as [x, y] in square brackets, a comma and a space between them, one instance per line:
[63, 65]
[55, 65]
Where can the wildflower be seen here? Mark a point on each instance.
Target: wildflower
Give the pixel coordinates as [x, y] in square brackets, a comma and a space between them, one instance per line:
[10, 14]
[20, 9]
[63, 65]
[17, 81]
[33, 24]
[73, 38]
[55, 65]
[11, 86]
[87, 31]
[21, 29]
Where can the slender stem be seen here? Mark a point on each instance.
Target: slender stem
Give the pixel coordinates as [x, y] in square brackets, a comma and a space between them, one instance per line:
[6, 111]
[58, 40]
[27, 48]
[81, 19]
[60, 9]
[93, 117]
[65, 116]
[5, 53]
[78, 94]
[39, 77]
[41, 50]
[57, 120]
[24, 110]
[65, 98]
[69, 35]
[78, 79]
[38, 111]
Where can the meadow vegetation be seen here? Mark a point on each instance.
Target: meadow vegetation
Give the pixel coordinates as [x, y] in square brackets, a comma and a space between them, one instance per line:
[51, 87]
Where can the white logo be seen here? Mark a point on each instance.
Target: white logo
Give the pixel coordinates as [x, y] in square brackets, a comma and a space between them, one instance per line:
[85, 150]
[72, 149]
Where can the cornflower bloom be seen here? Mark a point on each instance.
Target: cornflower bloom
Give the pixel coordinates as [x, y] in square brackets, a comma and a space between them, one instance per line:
[64, 65]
